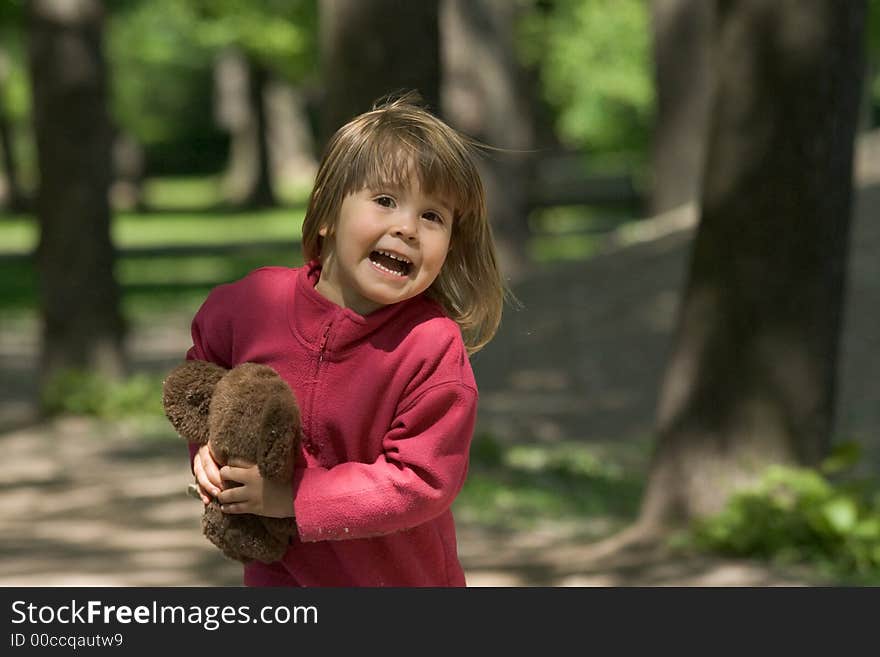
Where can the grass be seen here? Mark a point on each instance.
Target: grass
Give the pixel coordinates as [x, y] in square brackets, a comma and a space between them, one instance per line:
[161, 282]
[572, 232]
[150, 284]
[520, 486]
[182, 192]
[19, 233]
[207, 228]
[198, 192]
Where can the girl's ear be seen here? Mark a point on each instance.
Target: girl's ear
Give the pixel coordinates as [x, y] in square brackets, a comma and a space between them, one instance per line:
[322, 231]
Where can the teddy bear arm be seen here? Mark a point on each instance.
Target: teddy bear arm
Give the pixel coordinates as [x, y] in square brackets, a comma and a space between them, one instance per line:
[186, 396]
[279, 436]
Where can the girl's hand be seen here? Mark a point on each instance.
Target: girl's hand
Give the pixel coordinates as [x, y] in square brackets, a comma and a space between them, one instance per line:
[207, 473]
[254, 494]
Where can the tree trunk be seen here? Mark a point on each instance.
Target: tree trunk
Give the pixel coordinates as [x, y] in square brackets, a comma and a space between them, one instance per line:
[240, 108]
[485, 95]
[262, 194]
[752, 374]
[684, 81]
[82, 324]
[291, 141]
[370, 48]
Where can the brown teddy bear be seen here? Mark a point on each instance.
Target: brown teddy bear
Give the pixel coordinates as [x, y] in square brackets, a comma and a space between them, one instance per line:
[249, 413]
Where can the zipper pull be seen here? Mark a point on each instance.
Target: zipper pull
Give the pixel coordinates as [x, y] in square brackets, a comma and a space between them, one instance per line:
[323, 343]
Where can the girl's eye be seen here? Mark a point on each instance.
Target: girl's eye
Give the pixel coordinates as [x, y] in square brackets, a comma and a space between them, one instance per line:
[385, 201]
[433, 217]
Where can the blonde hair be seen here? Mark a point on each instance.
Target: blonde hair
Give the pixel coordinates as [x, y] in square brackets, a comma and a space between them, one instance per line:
[384, 146]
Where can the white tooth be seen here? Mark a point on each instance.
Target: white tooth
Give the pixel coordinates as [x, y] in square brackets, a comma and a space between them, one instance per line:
[390, 271]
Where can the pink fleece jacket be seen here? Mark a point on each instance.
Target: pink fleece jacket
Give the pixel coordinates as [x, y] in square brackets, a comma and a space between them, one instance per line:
[388, 405]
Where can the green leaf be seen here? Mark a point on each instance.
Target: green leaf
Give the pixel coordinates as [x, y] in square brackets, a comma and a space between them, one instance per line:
[842, 457]
[841, 513]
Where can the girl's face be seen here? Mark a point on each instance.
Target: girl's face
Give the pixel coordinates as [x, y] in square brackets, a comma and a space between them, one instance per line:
[388, 245]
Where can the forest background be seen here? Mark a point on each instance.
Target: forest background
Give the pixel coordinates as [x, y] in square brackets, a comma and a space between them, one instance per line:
[685, 201]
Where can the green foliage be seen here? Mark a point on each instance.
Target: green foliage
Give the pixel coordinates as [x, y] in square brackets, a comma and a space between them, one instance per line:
[162, 85]
[518, 486]
[874, 28]
[15, 97]
[280, 34]
[593, 58]
[874, 57]
[802, 515]
[78, 392]
[11, 13]
[162, 55]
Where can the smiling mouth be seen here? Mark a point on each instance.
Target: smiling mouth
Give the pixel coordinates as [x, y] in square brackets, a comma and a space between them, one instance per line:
[391, 263]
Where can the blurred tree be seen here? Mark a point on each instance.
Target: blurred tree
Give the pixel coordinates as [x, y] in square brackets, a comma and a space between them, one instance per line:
[240, 107]
[162, 86]
[256, 43]
[164, 52]
[751, 379]
[12, 196]
[82, 324]
[682, 32]
[370, 48]
[594, 62]
[871, 95]
[486, 95]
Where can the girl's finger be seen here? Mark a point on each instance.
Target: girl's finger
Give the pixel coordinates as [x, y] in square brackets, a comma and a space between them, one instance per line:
[233, 495]
[197, 470]
[202, 478]
[231, 473]
[233, 508]
[212, 472]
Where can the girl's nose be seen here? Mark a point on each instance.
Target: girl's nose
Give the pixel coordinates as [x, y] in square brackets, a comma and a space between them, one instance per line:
[406, 228]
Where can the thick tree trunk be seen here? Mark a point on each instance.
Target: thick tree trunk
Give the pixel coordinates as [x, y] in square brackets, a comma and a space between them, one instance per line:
[752, 375]
[82, 324]
[485, 95]
[370, 48]
[683, 74]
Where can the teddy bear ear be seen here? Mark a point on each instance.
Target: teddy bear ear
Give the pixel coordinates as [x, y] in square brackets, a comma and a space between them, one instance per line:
[186, 397]
[279, 435]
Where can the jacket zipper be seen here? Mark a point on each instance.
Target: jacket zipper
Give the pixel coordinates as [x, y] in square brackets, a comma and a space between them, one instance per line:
[322, 346]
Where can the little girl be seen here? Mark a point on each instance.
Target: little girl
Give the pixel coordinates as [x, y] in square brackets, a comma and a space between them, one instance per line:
[373, 336]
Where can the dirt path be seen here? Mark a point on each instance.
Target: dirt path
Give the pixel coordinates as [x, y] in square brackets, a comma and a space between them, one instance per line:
[91, 503]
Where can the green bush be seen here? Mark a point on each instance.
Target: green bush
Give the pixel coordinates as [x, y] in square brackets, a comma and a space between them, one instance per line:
[803, 515]
[76, 392]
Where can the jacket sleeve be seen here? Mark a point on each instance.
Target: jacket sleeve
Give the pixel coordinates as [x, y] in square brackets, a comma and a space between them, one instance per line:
[421, 470]
[211, 338]
[212, 331]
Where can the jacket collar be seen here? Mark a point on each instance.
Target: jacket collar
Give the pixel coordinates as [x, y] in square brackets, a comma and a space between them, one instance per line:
[312, 316]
